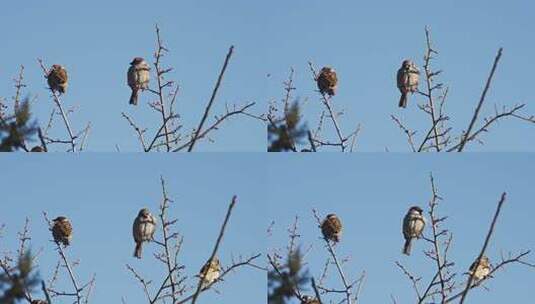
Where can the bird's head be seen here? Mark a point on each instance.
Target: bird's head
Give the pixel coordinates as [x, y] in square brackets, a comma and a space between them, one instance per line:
[59, 219]
[416, 209]
[215, 261]
[407, 63]
[331, 216]
[327, 69]
[137, 60]
[144, 213]
[56, 67]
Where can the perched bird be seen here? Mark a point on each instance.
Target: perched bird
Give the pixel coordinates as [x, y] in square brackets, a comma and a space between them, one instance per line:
[37, 149]
[327, 81]
[413, 227]
[143, 229]
[407, 78]
[309, 300]
[39, 302]
[57, 79]
[138, 77]
[480, 270]
[62, 230]
[331, 227]
[212, 270]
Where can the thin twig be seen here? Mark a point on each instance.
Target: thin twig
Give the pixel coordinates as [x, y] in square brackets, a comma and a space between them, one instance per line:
[481, 100]
[212, 98]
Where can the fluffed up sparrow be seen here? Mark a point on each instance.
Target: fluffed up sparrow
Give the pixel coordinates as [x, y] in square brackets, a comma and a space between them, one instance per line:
[138, 77]
[213, 271]
[407, 79]
[413, 227]
[62, 230]
[480, 270]
[58, 79]
[327, 81]
[143, 230]
[331, 227]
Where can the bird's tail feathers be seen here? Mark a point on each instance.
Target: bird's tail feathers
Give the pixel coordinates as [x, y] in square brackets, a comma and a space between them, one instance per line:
[403, 100]
[133, 98]
[138, 250]
[407, 247]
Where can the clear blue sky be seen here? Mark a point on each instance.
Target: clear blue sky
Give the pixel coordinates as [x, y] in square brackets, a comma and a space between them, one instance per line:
[371, 194]
[364, 41]
[102, 194]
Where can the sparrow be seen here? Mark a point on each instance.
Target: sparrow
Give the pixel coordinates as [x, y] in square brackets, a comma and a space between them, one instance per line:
[413, 227]
[327, 81]
[138, 77]
[331, 227]
[143, 230]
[309, 300]
[480, 270]
[37, 149]
[57, 79]
[213, 271]
[407, 78]
[62, 231]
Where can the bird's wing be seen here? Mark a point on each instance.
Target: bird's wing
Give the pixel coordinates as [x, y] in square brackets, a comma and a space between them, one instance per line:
[400, 78]
[406, 227]
[337, 224]
[132, 76]
[473, 266]
[333, 79]
[204, 268]
[136, 230]
[61, 75]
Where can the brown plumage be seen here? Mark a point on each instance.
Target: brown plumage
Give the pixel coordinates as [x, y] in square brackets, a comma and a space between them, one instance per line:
[138, 77]
[480, 270]
[62, 231]
[39, 302]
[58, 79]
[331, 227]
[327, 81]
[37, 149]
[143, 230]
[408, 77]
[413, 227]
[212, 270]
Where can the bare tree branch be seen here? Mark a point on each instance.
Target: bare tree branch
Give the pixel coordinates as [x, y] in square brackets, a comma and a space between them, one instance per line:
[212, 98]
